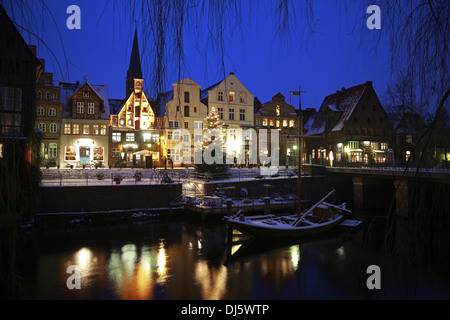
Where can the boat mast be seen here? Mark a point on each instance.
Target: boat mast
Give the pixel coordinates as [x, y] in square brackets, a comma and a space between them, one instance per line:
[300, 151]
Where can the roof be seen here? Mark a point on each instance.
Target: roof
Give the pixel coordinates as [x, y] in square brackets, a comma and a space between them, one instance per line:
[68, 89]
[343, 101]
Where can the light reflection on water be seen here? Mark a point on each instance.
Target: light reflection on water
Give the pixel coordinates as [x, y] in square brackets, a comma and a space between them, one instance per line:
[184, 261]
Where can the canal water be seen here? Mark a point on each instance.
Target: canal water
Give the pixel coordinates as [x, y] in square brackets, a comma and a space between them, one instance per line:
[178, 260]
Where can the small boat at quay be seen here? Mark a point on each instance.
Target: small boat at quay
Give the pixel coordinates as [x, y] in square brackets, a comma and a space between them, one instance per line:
[321, 217]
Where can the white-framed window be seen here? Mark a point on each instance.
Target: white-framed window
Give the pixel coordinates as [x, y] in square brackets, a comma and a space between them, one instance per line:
[90, 108]
[175, 155]
[40, 111]
[186, 125]
[80, 107]
[67, 128]
[52, 150]
[85, 129]
[42, 126]
[53, 128]
[52, 112]
[197, 138]
[175, 124]
[242, 114]
[176, 135]
[186, 137]
[186, 154]
[198, 124]
[231, 114]
[353, 144]
[130, 137]
[232, 134]
[116, 137]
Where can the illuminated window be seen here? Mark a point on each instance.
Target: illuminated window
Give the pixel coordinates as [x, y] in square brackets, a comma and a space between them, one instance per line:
[130, 137]
[278, 123]
[53, 128]
[67, 128]
[231, 97]
[278, 109]
[272, 122]
[353, 144]
[384, 146]
[408, 155]
[242, 97]
[264, 122]
[285, 123]
[122, 122]
[220, 96]
[232, 134]
[1, 150]
[291, 123]
[95, 129]
[103, 130]
[98, 153]
[76, 129]
[116, 137]
[85, 129]
[409, 138]
[355, 156]
[69, 153]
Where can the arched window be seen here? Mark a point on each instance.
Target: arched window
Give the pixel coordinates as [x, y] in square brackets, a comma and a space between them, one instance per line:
[39, 95]
[41, 126]
[53, 128]
[47, 95]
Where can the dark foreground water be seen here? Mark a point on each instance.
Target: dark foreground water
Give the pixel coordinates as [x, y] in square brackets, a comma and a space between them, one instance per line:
[180, 260]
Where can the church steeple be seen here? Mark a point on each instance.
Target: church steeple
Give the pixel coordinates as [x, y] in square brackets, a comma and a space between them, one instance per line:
[134, 69]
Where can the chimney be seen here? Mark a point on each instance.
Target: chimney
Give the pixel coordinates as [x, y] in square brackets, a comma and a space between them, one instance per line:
[231, 73]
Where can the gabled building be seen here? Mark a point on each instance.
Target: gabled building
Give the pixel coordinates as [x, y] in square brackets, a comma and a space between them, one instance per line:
[350, 128]
[85, 125]
[49, 110]
[235, 105]
[407, 131]
[184, 114]
[19, 71]
[277, 114]
[134, 129]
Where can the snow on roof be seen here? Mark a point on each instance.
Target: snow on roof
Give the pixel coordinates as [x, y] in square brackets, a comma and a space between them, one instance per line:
[343, 101]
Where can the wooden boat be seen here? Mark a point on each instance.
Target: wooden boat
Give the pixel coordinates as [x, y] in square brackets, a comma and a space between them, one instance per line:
[319, 218]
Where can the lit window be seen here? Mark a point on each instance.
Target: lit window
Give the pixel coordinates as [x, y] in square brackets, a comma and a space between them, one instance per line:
[116, 137]
[353, 144]
[408, 155]
[231, 95]
[278, 123]
[122, 122]
[147, 137]
[1, 150]
[103, 130]
[356, 156]
[70, 153]
[285, 123]
[95, 129]
[76, 129]
[272, 122]
[130, 137]
[86, 129]
[98, 153]
[409, 138]
[242, 97]
[384, 146]
[264, 122]
[291, 123]
[67, 128]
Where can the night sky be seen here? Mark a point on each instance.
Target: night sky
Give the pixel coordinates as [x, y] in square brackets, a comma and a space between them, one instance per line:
[339, 54]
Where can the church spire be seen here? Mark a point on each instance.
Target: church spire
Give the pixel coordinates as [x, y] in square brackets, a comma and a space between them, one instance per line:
[134, 69]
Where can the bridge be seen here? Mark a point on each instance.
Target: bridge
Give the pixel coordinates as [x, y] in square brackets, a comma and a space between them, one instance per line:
[377, 187]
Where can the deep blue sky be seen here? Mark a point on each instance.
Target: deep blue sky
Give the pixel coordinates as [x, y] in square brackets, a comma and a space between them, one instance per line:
[339, 54]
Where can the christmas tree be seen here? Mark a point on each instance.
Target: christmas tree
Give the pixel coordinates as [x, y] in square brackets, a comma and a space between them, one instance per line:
[212, 149]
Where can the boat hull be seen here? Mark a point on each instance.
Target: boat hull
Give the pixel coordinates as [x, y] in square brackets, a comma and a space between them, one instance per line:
[259, 230]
